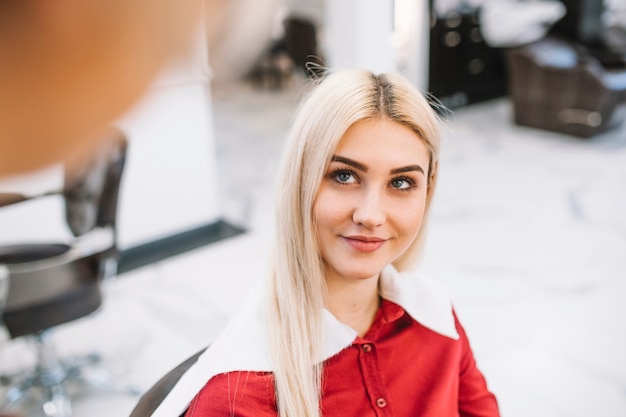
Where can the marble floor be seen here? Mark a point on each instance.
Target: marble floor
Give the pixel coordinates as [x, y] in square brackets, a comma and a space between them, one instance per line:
[528, 231]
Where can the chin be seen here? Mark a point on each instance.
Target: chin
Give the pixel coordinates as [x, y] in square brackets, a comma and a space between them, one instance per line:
[361, 273]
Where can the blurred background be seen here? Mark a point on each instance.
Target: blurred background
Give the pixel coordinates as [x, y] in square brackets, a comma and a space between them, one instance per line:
[118, 265]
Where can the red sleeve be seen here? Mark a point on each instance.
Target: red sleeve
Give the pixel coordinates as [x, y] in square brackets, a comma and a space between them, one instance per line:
[475, 399]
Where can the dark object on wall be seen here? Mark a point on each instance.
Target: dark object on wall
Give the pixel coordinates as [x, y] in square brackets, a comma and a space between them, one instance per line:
[463, 69]
[302, 46]
[557, 85]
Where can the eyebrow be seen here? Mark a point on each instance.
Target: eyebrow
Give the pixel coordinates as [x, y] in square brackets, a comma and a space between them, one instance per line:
[408, 169]
[350, 162]
[364, 168]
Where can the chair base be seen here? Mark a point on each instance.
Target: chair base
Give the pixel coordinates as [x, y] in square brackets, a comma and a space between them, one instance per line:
[48, 385]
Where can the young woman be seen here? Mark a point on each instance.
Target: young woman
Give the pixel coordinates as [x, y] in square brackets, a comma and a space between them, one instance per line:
[341, 328]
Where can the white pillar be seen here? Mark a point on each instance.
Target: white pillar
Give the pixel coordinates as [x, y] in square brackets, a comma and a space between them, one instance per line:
[358, 33]
[412, 39]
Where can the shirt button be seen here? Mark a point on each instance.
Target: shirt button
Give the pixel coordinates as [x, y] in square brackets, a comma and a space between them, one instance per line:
[381, 402]
[367, 348]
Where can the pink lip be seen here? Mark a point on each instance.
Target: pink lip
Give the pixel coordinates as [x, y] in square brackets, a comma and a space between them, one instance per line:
[364, 243]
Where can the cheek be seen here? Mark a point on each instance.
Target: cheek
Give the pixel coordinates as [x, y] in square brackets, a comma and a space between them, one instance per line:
[409, 218]
[328, 209]
[324, 219]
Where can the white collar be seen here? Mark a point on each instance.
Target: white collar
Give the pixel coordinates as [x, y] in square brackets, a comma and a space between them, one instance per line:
[242, 344]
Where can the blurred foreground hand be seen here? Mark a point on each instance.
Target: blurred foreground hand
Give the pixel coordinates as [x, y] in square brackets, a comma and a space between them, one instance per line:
[68, 68]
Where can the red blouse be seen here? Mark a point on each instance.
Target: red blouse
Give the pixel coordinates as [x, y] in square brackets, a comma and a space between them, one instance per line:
[400, 368]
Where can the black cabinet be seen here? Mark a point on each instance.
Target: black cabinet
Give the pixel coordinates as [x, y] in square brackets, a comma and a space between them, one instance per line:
[463, 69]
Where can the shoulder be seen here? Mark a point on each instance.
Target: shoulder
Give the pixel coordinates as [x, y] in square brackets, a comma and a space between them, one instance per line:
[244, 393]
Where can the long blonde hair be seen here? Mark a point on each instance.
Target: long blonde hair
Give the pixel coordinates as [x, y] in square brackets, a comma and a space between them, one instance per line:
[296, 282]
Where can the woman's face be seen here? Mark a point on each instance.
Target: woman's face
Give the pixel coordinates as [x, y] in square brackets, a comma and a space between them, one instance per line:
[371, 201]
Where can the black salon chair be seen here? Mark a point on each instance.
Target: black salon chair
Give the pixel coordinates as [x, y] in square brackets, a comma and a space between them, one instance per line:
[574, 80]
[152, 398]
[557, 84]
[45, 285]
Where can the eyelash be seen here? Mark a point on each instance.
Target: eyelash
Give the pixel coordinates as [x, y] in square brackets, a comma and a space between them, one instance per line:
[335, 173]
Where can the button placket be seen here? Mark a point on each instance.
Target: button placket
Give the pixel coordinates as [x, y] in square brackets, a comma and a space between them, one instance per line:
[373, 379]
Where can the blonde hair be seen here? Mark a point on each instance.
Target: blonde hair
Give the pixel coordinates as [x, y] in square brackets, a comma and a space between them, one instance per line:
[296, 283]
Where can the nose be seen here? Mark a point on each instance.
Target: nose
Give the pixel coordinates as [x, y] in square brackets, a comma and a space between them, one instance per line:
[369, 210]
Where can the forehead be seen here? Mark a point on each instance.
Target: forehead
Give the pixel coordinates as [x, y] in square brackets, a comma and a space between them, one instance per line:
[383, 141]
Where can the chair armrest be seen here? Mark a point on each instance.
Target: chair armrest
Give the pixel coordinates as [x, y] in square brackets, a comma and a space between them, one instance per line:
[6, 199]
[151, 399]
[96, 241]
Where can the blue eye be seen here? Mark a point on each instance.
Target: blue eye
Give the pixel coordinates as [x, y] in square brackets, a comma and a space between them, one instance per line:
[402, 183]
[343, 177]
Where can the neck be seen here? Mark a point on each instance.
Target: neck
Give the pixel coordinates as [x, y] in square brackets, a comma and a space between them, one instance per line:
[353, 302]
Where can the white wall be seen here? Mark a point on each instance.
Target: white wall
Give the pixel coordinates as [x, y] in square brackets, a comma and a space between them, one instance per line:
[170, 128]
[411, 40]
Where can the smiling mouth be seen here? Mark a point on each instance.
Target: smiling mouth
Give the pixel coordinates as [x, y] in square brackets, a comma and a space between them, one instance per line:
[364, 244]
